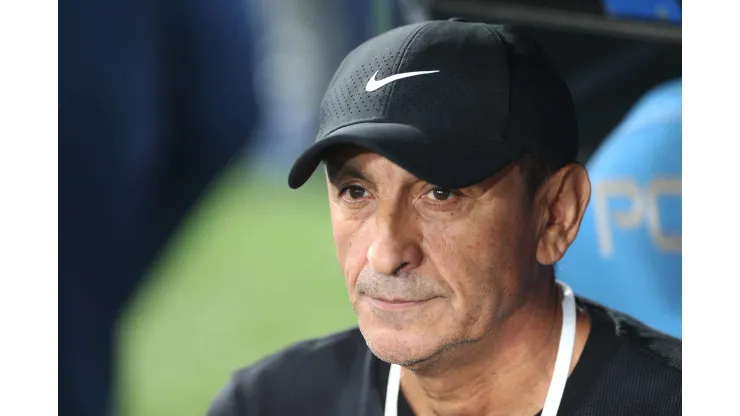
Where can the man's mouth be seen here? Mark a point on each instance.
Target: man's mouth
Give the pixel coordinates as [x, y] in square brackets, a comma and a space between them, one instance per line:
[397, 304]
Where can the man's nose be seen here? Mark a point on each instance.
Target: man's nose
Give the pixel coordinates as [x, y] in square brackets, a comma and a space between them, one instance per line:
[395, 247]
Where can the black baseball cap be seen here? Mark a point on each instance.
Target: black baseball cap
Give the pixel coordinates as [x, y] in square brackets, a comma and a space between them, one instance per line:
[451, 102]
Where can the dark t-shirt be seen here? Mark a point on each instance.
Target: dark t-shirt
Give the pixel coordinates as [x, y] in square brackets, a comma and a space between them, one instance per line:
[625, 369]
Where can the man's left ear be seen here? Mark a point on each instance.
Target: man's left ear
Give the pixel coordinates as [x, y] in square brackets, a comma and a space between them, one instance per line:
[563, 198]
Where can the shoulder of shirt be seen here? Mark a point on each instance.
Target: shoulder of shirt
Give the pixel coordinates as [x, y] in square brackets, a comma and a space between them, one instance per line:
[307, 367]
[656, 347]
[629, 366]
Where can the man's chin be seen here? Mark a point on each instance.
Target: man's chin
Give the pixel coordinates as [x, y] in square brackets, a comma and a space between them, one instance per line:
[406, 348]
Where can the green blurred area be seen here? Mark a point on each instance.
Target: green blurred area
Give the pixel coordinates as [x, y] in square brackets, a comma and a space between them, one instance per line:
[251, 271]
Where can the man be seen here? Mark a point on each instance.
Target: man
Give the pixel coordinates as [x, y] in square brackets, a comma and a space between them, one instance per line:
[450, 158]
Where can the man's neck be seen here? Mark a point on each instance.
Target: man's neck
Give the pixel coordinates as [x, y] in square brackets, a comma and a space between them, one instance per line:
[506, 373]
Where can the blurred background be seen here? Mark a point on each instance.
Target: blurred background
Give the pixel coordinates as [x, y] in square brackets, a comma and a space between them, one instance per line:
[183, 253]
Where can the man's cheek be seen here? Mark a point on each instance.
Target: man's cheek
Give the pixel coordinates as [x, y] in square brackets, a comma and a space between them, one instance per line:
[352, 259]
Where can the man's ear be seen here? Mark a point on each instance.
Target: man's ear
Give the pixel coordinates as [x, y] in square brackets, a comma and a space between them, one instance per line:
[563, 199]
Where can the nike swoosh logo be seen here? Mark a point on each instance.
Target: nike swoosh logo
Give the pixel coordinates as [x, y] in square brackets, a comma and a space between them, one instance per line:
[374, 84]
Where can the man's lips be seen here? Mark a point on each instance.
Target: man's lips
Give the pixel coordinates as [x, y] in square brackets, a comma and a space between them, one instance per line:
[397, 304]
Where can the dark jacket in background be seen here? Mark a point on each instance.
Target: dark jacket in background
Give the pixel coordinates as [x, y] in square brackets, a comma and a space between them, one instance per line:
[154, 99]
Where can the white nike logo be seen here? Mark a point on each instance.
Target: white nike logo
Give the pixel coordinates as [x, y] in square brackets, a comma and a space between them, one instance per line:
[374, 84]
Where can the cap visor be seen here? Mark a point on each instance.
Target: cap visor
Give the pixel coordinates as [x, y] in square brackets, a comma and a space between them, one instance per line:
[446, 163]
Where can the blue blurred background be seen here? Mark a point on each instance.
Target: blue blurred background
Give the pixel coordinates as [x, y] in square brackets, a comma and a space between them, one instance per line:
[184, 255]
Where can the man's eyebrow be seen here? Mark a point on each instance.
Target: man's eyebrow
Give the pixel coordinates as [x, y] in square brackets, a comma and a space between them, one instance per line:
[336, 171]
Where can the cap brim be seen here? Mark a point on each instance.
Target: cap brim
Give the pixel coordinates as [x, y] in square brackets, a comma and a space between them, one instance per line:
[443, 162]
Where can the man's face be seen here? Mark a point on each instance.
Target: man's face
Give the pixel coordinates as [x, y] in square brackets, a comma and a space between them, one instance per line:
[428, 268]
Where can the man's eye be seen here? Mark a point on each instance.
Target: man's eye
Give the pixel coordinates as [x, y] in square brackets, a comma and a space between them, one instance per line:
[354, 192]
[440, 194]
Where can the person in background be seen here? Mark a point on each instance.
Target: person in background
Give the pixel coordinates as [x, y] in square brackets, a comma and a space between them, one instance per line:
[154, 100]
